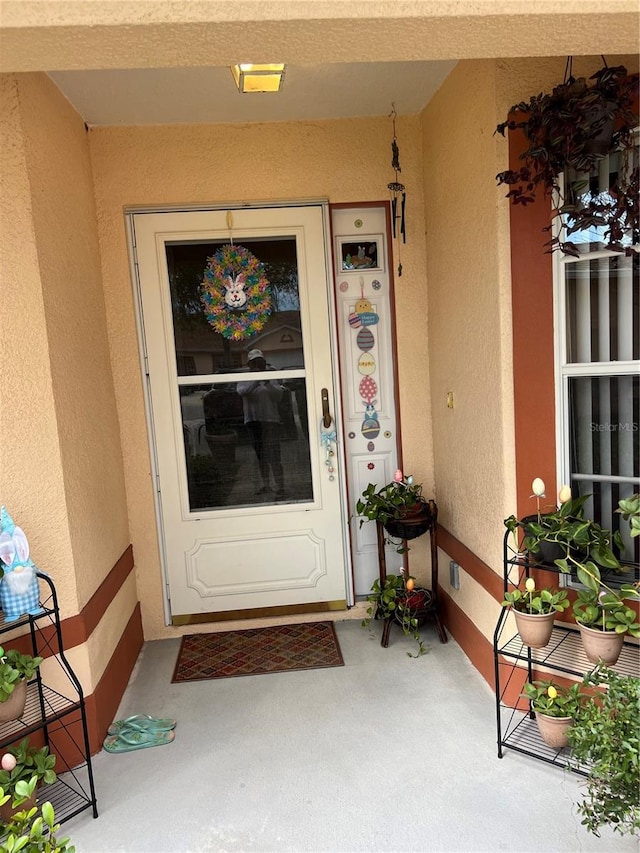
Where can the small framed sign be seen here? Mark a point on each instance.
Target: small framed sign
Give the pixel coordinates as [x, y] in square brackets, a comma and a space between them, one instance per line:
[360, 254]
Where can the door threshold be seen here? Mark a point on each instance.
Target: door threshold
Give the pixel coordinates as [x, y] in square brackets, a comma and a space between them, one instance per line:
[259, 612]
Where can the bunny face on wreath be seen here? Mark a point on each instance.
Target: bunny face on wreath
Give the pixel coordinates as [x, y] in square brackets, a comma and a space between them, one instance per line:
[234, 296]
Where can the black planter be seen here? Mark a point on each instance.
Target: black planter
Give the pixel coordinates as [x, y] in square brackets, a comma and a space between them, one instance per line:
[413, 523]
[549, 552]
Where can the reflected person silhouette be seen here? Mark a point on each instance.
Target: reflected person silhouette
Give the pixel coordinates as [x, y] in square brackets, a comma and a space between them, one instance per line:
[260, 398]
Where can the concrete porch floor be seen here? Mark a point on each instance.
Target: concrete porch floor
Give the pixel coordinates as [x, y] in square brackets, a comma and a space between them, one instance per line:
[386, 753]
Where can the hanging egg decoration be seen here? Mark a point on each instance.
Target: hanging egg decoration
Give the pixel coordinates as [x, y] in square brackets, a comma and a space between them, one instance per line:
[370, 428]
[365, 340]
[368, 389]
[366, 364]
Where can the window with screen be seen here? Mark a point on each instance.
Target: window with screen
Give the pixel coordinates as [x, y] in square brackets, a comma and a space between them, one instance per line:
[597, 314]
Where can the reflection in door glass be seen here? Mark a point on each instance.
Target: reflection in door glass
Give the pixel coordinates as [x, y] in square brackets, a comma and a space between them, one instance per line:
[247, 442]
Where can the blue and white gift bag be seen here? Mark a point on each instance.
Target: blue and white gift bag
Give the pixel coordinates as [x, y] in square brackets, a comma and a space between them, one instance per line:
[19, 592]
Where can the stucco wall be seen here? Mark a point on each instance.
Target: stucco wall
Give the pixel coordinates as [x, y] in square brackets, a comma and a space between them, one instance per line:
[161, 33]
[61, 461]
[64, 221]
[31, 477]
[469, 330]
[339, 160]
[470, 337]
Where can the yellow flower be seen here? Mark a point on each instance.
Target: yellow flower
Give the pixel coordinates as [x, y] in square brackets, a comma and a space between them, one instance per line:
[530, 585]
[552, 692]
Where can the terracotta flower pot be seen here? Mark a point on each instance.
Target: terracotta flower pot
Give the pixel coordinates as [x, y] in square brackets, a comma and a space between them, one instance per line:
[553, 730]
[534, 628]
[13, 708]
[601, 645]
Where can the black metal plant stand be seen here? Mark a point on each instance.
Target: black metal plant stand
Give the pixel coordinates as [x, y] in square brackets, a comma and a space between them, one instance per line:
[406, 529]
[57, 714]
[517, 729]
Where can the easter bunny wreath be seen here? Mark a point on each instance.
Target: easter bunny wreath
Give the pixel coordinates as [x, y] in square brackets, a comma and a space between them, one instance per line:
[235, 293]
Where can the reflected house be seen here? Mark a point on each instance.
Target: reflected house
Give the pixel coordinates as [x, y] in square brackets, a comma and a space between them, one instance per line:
[202, 351]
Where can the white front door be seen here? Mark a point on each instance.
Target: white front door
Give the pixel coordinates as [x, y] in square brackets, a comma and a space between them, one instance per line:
[249, 497]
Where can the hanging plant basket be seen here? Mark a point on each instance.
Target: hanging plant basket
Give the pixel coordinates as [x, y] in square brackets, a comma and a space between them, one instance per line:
[569, 131]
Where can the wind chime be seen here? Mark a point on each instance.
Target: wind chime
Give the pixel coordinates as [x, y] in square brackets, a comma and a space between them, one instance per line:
[397, 193]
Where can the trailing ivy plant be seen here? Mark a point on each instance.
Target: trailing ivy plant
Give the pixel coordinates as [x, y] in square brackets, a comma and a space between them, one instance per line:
[397, 598]
[568, 132]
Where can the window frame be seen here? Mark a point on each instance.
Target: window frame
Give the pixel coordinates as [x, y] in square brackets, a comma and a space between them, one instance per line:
[564, 371]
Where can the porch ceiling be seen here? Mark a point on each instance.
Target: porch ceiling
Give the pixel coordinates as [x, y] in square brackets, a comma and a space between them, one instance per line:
[196, 95]
[163, 62]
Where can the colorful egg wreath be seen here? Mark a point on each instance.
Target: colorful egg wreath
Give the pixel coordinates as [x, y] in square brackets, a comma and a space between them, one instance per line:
[226, 266]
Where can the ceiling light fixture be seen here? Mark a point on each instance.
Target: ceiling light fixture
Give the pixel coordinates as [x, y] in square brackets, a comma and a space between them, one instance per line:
[258, 78]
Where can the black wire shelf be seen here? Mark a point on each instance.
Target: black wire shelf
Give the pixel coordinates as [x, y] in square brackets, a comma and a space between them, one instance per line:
[56, 716]
[514, 661]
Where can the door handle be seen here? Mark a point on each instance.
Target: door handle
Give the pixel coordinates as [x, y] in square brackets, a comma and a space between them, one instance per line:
[326, 414]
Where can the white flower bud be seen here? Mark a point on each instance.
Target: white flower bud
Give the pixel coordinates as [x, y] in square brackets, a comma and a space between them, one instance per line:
[538, 488]
[564, 494]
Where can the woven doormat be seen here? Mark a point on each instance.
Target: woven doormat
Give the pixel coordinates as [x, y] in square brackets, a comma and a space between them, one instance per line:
[309, 645]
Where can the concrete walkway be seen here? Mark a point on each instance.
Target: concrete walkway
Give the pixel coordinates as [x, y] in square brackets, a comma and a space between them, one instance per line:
[386, 753]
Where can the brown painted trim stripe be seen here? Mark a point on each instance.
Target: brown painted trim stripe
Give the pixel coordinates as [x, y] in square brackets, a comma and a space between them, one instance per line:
[472, 642]
[481, 573]
[102, 704]
[97, 605]
[76, 630]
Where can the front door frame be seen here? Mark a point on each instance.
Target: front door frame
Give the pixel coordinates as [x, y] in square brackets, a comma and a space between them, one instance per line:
[323, 203]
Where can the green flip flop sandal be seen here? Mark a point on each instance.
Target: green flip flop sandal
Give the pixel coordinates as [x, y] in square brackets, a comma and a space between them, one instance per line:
[127, 741]
[142, 723]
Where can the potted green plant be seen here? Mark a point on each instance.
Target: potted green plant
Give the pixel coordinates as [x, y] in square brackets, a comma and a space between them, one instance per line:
[398, 505]
[563, 536]
[535, 611]
[399, 598]
[15, 671]
[556, 707]
[19, 766]
[31, 829]
[604, 618]
[585, 548]
[568, 131]
[605, 736]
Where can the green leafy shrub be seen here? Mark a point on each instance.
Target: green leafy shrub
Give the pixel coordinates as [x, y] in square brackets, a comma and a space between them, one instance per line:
[606, 735]
[33, 829]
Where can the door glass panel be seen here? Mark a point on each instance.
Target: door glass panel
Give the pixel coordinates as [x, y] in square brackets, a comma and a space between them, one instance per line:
[200, 350]
[246, 441]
